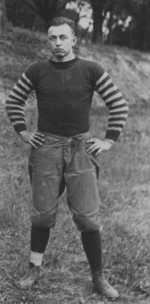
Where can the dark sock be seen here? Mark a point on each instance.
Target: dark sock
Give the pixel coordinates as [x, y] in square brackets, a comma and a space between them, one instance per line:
[91, 241]
[39, 239]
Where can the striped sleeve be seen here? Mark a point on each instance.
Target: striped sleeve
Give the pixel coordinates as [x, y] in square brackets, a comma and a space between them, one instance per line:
[16, 101]
[117, 105]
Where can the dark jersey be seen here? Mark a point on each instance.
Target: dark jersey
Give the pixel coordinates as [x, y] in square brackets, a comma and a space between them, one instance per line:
[64, 94]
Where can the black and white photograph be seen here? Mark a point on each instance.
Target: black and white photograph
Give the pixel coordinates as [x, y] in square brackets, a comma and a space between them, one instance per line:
[75, 151]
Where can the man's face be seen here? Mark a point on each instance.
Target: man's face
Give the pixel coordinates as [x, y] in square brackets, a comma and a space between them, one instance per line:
[61, 40]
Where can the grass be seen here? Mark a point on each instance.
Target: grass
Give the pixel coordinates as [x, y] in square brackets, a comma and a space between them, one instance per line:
[124, 188]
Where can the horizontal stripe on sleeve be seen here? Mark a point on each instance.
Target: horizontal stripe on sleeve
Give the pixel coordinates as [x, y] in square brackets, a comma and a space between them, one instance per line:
[117, 105]
[16, 101]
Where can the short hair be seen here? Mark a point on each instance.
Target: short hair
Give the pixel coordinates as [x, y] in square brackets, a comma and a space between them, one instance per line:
[61, 21]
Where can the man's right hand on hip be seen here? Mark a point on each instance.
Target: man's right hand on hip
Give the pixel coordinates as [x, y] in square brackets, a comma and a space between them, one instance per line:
[35, 139]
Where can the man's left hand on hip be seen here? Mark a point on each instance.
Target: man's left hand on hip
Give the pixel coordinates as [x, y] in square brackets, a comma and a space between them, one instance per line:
[98, 145]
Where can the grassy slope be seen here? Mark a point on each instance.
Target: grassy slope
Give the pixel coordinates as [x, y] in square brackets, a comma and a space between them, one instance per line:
[124, 187]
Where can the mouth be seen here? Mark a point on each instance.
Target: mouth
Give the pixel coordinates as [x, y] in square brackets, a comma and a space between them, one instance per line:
[59, 50]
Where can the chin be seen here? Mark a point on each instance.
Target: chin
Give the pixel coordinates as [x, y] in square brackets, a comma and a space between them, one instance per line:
[59, 55]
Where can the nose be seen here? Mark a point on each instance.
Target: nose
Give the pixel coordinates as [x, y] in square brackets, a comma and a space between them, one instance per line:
[58, 41]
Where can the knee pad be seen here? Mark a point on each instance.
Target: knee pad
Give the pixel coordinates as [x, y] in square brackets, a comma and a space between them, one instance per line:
[43, 220]
[85, 223]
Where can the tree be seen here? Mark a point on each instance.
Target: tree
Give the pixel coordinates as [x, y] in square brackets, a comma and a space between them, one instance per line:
[20, 15]
[36, 14]
[137, 33]
[47, 9]
[100, 10]
[3, 18]
[142, 26]
[98, 18]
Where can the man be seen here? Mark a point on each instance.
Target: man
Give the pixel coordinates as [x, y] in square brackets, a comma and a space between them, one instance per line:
[64, 153]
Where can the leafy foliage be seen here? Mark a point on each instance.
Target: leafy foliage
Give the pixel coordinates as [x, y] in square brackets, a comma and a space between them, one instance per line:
[127, 22]
[134, 34]
[3, 18]
[33, 13]
[19, 14]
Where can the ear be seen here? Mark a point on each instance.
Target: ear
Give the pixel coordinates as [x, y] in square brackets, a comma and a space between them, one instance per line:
[74, 40]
